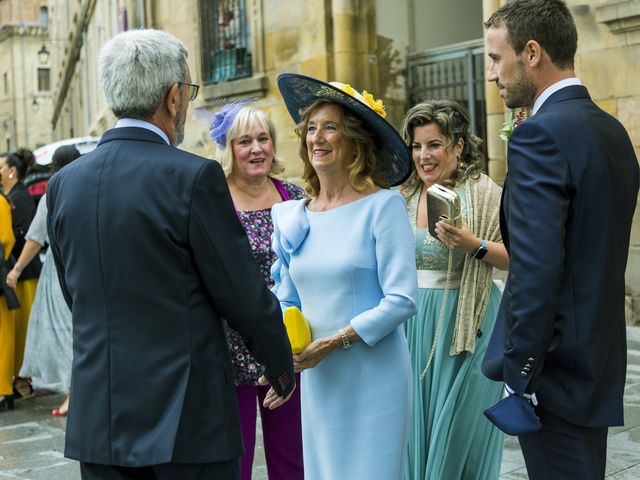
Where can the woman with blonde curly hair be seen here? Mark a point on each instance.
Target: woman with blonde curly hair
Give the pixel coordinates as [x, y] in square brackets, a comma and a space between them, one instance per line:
[345, 258]
[458, 302]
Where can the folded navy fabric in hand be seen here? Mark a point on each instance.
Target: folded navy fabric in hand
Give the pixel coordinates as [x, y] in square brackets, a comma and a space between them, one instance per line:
[514, 415]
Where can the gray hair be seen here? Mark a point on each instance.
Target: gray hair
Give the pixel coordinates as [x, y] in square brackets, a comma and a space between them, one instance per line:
[137, 68]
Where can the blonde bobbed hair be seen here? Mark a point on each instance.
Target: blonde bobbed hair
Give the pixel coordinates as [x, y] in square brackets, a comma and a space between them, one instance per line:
[246, 118]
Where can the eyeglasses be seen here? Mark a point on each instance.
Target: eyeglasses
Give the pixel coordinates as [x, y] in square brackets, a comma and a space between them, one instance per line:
[193, 90]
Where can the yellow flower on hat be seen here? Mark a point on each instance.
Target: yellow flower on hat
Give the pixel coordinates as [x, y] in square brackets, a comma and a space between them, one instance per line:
[364, 97]
[348, 89]
[376, 105]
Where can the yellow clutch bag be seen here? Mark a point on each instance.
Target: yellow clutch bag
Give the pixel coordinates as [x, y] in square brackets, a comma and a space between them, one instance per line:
[298, 329]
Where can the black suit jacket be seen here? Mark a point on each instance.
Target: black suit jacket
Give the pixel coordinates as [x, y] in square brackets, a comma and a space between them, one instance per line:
[150, 256]
[566, 215]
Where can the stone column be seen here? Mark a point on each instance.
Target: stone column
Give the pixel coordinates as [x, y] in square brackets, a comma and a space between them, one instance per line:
[344, 41]
[355, 44]
[497, 114]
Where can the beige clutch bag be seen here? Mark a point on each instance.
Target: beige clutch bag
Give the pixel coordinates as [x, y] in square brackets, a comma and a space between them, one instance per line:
[442, 204]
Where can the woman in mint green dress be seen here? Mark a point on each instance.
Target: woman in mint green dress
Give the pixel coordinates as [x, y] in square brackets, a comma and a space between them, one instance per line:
[450, 437]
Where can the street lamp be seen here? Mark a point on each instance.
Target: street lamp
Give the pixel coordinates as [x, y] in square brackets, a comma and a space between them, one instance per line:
[43, 54]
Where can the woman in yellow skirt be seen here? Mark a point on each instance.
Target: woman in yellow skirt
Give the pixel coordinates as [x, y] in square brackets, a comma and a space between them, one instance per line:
[7, 317]
[13, 168]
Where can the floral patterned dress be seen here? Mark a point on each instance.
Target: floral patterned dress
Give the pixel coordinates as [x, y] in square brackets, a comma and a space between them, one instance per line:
[259, 228]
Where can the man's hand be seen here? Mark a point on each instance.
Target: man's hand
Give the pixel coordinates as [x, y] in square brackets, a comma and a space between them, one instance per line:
[272, 400]
[531, 397]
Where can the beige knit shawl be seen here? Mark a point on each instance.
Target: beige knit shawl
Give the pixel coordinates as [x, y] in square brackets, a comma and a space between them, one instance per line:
[483, 208]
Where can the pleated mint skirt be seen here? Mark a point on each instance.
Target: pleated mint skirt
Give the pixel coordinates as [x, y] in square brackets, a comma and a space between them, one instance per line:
[450, 438]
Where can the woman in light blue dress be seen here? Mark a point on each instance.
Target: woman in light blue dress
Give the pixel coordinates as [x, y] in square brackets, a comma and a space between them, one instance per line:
[450, 437]
[346, 260]
[48, 348]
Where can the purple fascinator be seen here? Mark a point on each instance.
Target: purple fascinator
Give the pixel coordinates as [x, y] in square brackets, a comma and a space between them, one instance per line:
[222, 120]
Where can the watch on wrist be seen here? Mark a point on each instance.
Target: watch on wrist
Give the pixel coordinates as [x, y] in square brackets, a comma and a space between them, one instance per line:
[481, 252]
[345, 340]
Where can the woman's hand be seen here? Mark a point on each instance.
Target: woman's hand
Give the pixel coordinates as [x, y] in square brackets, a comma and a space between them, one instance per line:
[29, 251]
[12, 278]
[272, 399]
[457, 238]
[315, 352]
[463, 239]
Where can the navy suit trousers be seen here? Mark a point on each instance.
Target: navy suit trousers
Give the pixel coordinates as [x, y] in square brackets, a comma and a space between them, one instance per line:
[562, 450]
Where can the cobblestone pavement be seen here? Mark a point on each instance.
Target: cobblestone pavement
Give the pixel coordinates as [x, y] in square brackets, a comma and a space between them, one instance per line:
[623, 452]
[32, 440]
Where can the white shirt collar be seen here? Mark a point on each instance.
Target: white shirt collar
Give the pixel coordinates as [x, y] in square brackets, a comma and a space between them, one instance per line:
[133, 122]
[551, 90]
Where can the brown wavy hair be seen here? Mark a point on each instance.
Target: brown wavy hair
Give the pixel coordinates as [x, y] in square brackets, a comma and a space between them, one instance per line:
[363, 171]
[453, 122]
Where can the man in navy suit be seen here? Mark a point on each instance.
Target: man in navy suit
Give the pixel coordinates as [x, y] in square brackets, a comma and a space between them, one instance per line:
[151, 257]
[567, 208]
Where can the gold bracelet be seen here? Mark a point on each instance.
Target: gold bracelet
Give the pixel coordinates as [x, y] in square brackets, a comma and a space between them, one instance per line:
[346, 344]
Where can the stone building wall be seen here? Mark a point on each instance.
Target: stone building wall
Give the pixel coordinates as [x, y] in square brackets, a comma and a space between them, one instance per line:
[24, 107]
[336, 40]
[608, 63]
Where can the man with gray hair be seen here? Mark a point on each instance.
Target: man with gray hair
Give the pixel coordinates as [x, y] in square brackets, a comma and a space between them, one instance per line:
[151, 257]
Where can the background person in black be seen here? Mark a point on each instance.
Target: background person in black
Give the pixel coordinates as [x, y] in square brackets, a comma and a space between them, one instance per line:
[13, 169]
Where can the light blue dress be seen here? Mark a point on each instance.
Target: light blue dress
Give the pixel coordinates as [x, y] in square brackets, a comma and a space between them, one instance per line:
[352, 265]
[48, 348]
[450, 437]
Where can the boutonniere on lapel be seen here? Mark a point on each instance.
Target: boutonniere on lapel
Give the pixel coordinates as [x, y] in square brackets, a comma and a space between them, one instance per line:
[517, 117]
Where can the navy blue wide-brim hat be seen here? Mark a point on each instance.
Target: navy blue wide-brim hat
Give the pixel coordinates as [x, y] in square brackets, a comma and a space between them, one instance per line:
[394, 159]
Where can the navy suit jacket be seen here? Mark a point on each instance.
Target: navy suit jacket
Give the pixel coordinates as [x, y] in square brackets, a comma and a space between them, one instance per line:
[150, 256]
[567, 208]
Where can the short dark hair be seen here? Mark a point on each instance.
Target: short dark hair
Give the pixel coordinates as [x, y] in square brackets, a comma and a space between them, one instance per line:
[63, 156]
[548, 22]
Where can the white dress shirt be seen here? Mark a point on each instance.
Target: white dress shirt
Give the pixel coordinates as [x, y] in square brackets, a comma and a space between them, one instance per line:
[133, 122]
[550, 90]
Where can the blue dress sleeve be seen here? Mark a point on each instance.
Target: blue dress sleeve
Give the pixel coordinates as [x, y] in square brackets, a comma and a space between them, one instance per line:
[395, 256]
[38, 228]
[284, 288]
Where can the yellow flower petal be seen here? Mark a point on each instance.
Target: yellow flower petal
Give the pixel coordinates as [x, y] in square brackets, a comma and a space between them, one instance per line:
[348, 89]
[376, 105]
